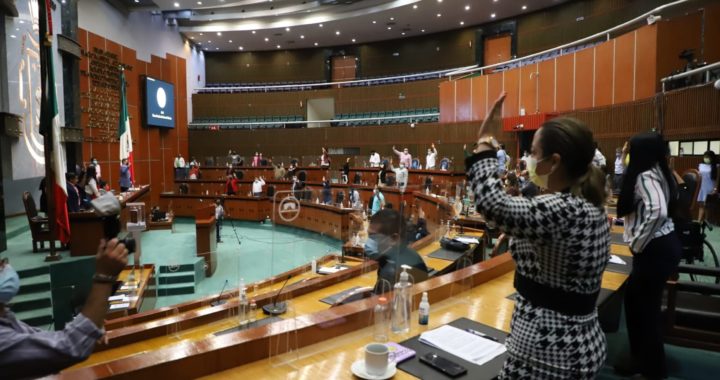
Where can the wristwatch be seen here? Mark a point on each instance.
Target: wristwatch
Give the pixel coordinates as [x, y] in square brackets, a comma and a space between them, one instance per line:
[489, 140]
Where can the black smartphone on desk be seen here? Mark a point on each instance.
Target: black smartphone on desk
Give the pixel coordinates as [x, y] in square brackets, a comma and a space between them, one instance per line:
[443, 365]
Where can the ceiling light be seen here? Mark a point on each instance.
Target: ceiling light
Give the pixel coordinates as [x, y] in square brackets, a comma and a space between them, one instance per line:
[217, 48]
[439, 1]
[374, 22]
[337, 32]
[462, 22]
[209, 42]
[253, 32]
[392, 18]
[415, 6]
[287, 29]
[316, 44]
[202, 34]
[219, 33]
[492, 15]
[467, 7]
[229, 41]
[439, 14]
[422, 30]
[389, 27]
[267, 39]
[177, 5]
[277, 46]
[403, 33]
[136, 1]
[524, 7]
[302, 36]
[199, 43]
[199, 2]
[192, 37]
[353, 40]
[320, 25]
[240, 48]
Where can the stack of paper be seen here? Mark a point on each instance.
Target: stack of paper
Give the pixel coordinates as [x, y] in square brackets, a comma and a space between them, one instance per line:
[463, 344]
[617, 260]
[467, 240]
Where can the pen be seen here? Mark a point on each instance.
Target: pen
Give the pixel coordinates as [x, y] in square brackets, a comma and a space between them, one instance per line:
[482, 335]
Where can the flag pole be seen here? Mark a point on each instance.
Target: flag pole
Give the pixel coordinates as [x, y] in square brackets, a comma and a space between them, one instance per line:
[48, 137]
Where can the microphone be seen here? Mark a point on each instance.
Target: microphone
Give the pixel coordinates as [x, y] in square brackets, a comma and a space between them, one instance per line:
[276, 308]
[218, 301]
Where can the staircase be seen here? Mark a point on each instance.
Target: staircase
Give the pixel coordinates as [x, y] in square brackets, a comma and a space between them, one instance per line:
[33, 303]
[179, 279]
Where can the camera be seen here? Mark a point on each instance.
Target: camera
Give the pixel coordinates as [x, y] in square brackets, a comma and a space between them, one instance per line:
[107, 207]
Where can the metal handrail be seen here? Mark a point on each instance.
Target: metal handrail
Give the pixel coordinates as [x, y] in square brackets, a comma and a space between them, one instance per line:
[705, 69]
[415, 116]
[595, 36]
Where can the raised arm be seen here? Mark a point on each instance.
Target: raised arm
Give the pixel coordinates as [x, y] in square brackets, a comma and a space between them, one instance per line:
[396, 151]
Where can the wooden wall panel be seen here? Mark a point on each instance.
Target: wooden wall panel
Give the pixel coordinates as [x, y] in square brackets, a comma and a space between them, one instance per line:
[604, 81]
[646, 82]
[447, 102]
[547, 86]
[624, 89]
[479, 97]
[464, 103]
[154, 149]
[495, 87]
[565, 83]
[674, 36]
[712, 30]
[511, 85]
[529, 89]
[497, 49]
[584, 78]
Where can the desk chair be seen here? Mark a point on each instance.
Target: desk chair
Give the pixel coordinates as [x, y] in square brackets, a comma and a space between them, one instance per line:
[39, 226]
[692, 310]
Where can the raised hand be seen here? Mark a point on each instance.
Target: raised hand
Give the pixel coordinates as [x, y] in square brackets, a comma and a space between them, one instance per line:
[493, 119]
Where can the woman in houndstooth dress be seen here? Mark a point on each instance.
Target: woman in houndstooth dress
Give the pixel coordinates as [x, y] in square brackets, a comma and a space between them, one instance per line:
[560, 243]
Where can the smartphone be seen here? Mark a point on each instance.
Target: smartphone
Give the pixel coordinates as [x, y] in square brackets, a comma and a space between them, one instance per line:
[443, 365]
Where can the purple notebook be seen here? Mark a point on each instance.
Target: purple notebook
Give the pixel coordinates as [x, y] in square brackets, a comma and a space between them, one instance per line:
[399, 353]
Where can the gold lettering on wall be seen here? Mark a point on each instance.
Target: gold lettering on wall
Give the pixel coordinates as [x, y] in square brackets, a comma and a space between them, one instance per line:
[103, 98]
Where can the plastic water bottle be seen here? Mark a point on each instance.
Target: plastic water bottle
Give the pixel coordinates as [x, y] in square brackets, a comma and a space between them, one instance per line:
[424, 310]
[382, 321]
[243, 308]
[313, 265]
[401, 303]
[252, 314]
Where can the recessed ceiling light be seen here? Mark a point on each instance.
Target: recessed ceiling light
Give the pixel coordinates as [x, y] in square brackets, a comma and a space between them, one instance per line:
[267, 39]
[217, 48]
[287, 29]
[277, 46]
[403, 33]
[524, 7]
[414, 6]
[337, 32]
[389, 27]
[462, 22]
[467, 7]
[253, 32]
[192, 37]
[439, 1]
[219, 33]
[199, 2]
[229, 41]
[374, 22]
[320, 25]
[302, 36]
[422, 30]
[199, 43]
[353, 40]
[209, 42]
[439, 14]
[177, 5]
[316, 44]
[392, 18]
[202, 34]
[492, 15]
[495, 1]
[240, 48]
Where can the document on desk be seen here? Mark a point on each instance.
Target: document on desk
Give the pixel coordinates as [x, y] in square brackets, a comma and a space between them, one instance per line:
[467, 240]
[463, 344]
[617, 260]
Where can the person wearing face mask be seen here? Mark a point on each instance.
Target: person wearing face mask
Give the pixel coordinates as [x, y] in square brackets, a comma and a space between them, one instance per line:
[560, 243]
[387, 245]
[401, 175]
[29, 352]
[98, 171]
[405, 157]
[431, 157]
[647, 202]
[708, 170]
[377, 201]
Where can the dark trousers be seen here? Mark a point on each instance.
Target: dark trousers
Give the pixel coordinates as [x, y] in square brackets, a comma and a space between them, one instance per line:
[617, 183]
[218, 224]
[651, 269]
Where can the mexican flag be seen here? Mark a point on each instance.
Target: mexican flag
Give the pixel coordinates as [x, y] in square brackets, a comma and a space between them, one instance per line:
[50, 125]
[124, 133]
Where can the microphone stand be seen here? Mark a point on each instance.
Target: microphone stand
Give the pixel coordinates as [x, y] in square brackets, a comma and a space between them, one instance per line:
[218, 301]
[275, 308]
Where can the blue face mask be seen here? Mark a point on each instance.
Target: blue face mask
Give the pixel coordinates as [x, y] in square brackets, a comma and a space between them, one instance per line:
[371, 245]
[9, 283]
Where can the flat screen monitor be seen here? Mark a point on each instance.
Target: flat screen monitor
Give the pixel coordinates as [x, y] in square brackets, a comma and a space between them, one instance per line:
[159, 103]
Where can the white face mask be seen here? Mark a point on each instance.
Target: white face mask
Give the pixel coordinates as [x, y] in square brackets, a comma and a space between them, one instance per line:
[539, 179]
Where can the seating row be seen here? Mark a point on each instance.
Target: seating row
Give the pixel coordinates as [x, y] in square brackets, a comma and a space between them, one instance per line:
[544, 57]
[250, 122]
[420, 115]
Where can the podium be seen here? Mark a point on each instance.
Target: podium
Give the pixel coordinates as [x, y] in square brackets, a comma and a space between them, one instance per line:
[205, 225]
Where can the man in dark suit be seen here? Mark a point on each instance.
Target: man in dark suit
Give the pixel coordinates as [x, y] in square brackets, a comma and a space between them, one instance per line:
[73, 198]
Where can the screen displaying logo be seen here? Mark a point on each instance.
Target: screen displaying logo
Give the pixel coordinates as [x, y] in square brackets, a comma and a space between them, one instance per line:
[160, 103]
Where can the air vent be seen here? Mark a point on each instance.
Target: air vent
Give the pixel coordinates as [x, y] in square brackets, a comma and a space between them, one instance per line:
[391, 23]
[277, 34]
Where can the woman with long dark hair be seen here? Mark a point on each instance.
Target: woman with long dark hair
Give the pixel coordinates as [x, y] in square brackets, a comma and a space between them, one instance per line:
[708, 170]
[648, 189]
[91, 183]
[560, 243]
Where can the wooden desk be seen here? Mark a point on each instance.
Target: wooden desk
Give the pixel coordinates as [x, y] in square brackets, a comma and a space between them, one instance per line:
[205, 234]
[86, 228]
[324, 219]
[236, 207]
[145, 295]
[437, 210]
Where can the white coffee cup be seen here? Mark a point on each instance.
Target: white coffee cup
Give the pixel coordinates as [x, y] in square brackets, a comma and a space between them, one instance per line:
[376, 358]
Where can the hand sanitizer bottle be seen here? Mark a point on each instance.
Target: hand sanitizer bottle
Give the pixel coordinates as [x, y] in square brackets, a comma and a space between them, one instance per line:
[424, 310]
